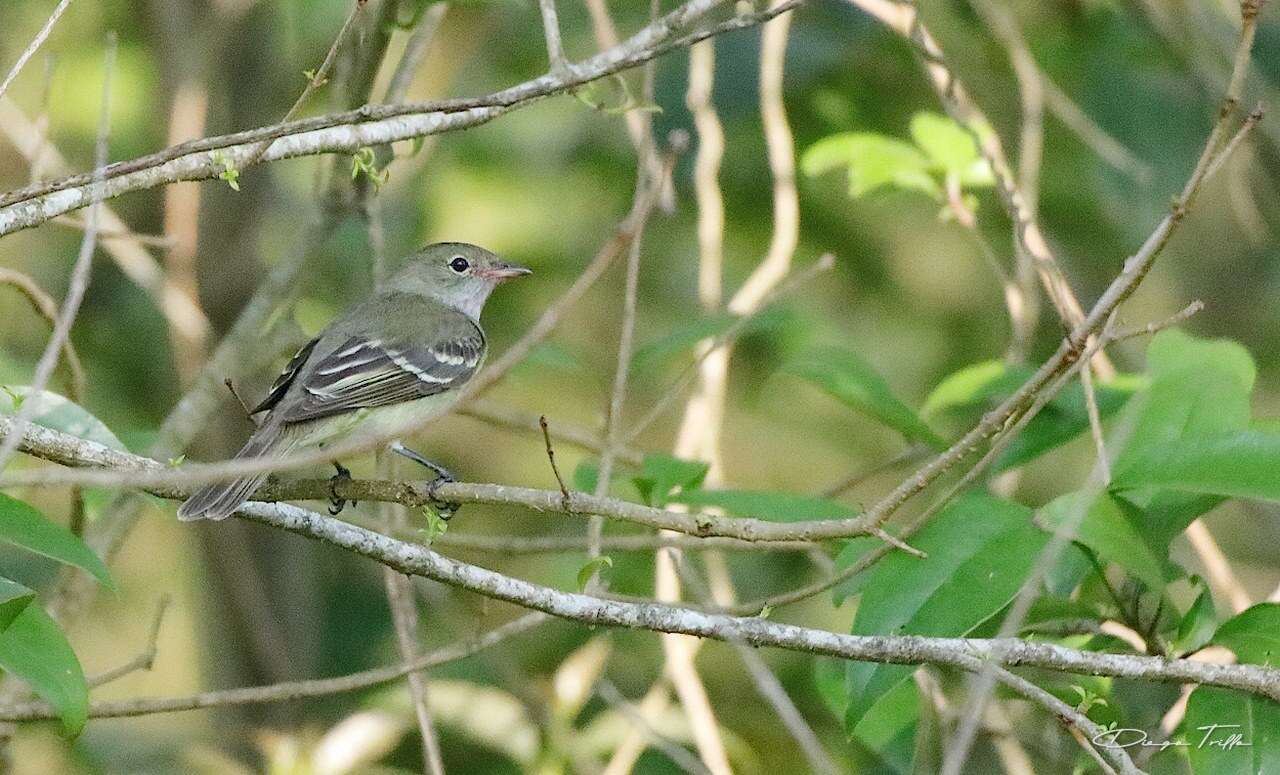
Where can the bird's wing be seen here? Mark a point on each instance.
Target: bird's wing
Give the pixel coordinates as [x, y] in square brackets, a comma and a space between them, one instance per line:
[282, 383]
[364, 371]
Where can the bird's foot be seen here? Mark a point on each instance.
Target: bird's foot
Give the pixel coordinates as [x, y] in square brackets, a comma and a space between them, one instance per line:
[336, 502]
[446, 509]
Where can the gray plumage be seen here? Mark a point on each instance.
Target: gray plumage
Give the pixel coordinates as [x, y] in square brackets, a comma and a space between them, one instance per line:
[386, 362]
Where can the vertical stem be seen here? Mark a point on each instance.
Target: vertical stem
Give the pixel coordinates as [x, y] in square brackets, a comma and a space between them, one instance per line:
[551, 30]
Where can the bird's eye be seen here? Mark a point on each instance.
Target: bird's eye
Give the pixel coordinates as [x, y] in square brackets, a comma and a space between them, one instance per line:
[459, 264]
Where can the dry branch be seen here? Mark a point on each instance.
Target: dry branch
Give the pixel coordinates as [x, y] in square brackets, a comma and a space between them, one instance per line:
[418, 560]
[349, 131]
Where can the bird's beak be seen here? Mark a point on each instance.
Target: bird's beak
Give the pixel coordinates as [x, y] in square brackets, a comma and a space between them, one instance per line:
[501, 271]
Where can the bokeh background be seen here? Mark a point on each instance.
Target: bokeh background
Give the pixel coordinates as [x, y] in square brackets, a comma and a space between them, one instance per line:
[545, 185]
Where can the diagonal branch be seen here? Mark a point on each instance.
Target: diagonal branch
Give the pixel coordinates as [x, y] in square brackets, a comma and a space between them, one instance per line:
[367, 126]
[893, 649]
[283, 692]
[79, 274]
[33, 46]
[418, 560]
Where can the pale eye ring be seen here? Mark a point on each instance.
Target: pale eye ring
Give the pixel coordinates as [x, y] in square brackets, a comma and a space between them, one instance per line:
[459, 264]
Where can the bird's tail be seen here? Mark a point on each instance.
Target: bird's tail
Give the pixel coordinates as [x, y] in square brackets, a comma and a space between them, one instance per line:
[220, 499]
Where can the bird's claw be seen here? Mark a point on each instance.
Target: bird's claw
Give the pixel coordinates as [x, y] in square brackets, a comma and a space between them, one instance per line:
[446, 509]
[336, 502]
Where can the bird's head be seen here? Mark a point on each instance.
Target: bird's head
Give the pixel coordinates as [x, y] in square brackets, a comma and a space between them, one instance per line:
[457, 274]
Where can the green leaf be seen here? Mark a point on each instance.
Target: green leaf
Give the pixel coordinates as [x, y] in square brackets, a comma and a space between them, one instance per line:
[1198, 388]
[660, 475]
[14, 597]
[982, 385]
[1197, 625]
[1165, 514]
[1242, 465]
[592, 567]
[1061, 420]
[966, 387]
[1105, 528]
[828, 678]
[889, 728]
[765, 504]
[951, 148]
[851, 552]
[60, 414]
[34, 649]
[25, 527]
[849, 379]
[980, 550]
[586, 475]
[1173, 350]
[872, 161]
[1253, 634]
[1227, 733]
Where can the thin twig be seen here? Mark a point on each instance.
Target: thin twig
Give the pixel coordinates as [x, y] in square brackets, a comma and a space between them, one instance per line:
[35, 44]
[1074, 719]
[674, 751]
[147, 658]
[670, 395]
[1108, 148]
[369, 125]
[551, 458]
[79, 273]
[248, 411]
[44, 304]
[767, 684]
[1176, 319]
[315, 79]
[415, 51]
[612, 543]
[908, 455]
[617, 396]
[1095, 423]
[551, 31]
[128, 249]
[563, 433]
[283, 692]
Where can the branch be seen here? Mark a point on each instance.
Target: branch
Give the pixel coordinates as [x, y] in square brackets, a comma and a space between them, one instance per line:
[147, 657]
[420, 561]
[349, 131]
[126, 247]
[562, 432]
[282, 692]
[79, 273]
[904, 19]
[551, 30]
[45, 306]
[35, 44]
[646, 195]
[65, 449]
[893, 649]
[634, 713]
[616, 543]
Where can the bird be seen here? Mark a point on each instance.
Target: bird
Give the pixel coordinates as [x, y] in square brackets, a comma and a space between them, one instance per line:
[387, 362]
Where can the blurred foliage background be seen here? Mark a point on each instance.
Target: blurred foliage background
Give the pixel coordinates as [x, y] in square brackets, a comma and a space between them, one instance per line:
[544, 185]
